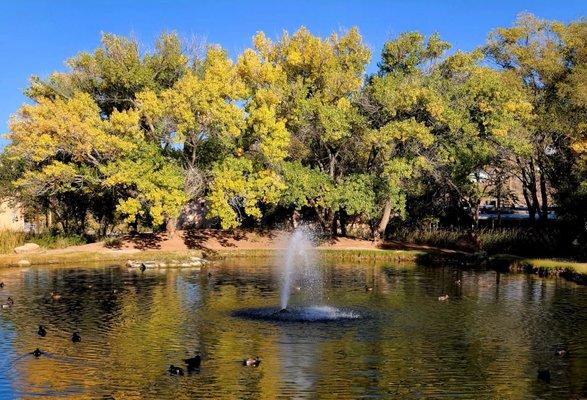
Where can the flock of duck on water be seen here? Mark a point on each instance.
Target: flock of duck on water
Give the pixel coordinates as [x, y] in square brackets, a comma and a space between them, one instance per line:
[191, 364]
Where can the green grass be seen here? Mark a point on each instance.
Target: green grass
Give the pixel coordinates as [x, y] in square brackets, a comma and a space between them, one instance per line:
[97, 258]
[351, 254]
[59, 241]
[574, 271]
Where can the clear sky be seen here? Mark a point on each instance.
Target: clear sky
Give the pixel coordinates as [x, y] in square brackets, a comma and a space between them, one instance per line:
[37, 36]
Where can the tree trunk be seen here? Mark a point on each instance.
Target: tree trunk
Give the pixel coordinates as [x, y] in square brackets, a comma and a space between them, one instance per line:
[343, 219]
[334, 225]
[295, 218]
[170, 226]
[543, 192]
[380, 232]
[533, 190]
[498, 205]
[476, 213]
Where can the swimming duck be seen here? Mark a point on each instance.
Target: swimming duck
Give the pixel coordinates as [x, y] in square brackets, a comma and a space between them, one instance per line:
[37, 353]
[9, 303]
[55, 296]
[193, 363]
[1, 285]
[458, 282]
[42, 331]
[544, 375]
[252, 362]
[443, 297]
[368, 289]
[173, 370]
[76, 338]
[143, 267]
[561, 352]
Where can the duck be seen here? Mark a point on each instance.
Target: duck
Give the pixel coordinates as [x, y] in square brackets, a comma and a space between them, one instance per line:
[252, 362]
[76, 338]
[544, 375]
[173, 370]
[9, 303]
[368, 289]
[193, 363]
[37, 353]
[143, 267]
[1, 285]
[458, 282]
[444, 297]
[561, 352]
[42, 331]
[55, 296]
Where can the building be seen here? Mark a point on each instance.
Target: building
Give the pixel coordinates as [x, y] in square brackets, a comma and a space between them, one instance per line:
[11, 217]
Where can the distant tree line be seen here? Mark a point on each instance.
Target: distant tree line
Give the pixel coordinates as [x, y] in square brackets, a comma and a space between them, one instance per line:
[295, 127]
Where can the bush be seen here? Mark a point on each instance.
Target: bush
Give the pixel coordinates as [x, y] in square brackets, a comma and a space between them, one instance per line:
[523, 242]
[113, 242]
[51, 240]
[10, 239]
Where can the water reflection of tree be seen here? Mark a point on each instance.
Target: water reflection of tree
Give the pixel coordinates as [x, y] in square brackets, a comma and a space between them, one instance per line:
[487, 339]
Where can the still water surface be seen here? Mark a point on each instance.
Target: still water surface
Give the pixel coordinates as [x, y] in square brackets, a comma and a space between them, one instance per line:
[486, 342]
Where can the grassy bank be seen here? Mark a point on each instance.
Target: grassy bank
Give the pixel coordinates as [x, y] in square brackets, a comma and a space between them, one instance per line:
[524, 242]
[9, 240]
[334, 254]
[78, 258]
[573, 271]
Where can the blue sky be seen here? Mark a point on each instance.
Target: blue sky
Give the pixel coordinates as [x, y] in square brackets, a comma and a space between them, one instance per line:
[37, 36]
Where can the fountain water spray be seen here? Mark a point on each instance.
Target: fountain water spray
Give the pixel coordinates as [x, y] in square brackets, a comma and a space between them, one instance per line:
[300, 268]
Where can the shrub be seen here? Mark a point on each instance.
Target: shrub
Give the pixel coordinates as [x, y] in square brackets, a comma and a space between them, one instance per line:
[10, 239]
[113, 242]
[527, 242]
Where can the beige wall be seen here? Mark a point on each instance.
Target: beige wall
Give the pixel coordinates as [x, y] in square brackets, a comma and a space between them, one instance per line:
[11, 217]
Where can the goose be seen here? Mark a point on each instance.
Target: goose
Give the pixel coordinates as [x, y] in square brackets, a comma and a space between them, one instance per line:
[443, 297]
[55, 296]
[252, 362]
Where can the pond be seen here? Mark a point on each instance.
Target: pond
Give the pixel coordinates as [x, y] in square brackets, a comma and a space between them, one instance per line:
[488, 340]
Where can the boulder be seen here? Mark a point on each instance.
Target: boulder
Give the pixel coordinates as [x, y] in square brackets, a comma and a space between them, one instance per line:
[27, 248]
[23, 263]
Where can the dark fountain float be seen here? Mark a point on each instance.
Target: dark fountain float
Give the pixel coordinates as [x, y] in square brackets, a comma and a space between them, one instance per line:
[300, 266]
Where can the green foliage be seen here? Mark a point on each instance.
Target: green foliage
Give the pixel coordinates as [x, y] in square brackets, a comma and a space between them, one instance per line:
[238, 189]
[294, 125]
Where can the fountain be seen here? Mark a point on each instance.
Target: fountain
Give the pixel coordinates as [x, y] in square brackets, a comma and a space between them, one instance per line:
[299, 272]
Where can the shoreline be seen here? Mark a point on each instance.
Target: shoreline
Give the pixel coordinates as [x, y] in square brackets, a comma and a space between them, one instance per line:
[214, 245]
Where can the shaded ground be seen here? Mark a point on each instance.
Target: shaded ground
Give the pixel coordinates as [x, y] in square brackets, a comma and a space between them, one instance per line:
[219, 240]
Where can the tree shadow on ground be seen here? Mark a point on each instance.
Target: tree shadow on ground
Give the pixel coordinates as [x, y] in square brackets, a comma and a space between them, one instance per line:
[195, 239]
[147, 241]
